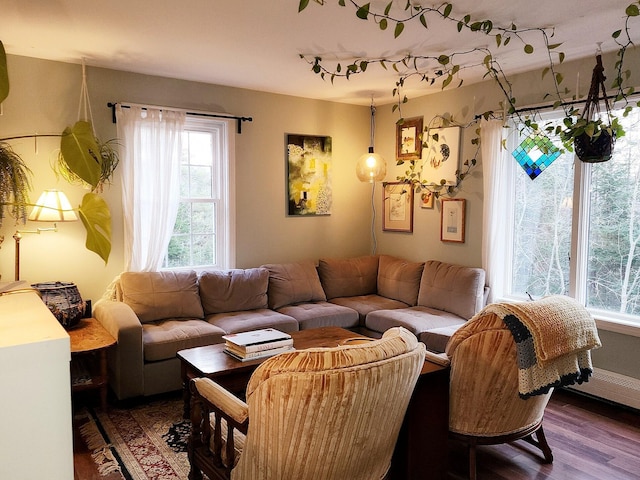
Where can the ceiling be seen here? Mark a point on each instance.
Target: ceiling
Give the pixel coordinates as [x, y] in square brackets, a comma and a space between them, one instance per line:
[256, 44]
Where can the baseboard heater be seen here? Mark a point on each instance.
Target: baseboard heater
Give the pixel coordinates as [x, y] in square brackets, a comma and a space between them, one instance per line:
[612, 386]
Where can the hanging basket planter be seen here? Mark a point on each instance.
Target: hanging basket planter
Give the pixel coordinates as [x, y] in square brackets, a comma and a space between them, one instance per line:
[594, 149]
[596, 146]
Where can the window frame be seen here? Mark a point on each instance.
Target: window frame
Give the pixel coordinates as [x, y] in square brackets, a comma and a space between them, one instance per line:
[223, 189]
[579, 248]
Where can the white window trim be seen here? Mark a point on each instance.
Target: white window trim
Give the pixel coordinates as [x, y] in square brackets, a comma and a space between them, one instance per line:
[226, 250]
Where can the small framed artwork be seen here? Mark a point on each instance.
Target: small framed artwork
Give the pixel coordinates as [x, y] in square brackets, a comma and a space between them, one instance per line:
[426, 199]
[397, 206]
[409, 139]
[452, 220]
[441, 155]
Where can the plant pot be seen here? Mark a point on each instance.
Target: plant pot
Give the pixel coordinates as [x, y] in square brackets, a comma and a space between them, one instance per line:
[594, 150]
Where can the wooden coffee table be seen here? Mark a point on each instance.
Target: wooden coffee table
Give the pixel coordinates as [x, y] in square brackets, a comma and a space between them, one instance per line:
[421, 451]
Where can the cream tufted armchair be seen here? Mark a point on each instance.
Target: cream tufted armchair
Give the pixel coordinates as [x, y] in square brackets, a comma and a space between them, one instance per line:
[505, 363]
[322, 413]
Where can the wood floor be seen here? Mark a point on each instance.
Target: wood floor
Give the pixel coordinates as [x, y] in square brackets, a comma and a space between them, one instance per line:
[590, 439]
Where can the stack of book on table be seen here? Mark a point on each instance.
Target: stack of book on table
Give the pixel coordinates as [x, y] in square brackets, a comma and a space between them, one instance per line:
[257, 344]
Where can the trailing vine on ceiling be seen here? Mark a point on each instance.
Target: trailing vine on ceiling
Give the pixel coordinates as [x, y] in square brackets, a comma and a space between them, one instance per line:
[447, 68]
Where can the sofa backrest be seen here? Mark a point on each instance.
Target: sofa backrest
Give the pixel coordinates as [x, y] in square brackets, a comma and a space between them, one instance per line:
[159, 295]
[291, 283]
[399, 279]
[349, 277]
[234, 290]
[452, 288]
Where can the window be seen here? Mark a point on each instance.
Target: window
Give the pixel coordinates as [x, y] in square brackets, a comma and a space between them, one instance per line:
[203, 232]
[576, 230]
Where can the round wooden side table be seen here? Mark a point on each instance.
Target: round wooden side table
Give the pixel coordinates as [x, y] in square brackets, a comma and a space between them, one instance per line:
[89, 344]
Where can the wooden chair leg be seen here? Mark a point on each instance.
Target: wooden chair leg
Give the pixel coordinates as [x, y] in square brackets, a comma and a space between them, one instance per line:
[544, 446]
[472, 460]
[541, 442]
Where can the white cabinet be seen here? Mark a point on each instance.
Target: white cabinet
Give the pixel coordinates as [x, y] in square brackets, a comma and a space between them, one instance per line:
[35, 395]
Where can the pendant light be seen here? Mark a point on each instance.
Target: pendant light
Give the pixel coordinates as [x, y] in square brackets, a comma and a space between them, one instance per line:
[371, 167]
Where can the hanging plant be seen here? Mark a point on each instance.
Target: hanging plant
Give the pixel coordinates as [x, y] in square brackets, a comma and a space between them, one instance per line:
[15, 184]
[84, 159]
[592, 135]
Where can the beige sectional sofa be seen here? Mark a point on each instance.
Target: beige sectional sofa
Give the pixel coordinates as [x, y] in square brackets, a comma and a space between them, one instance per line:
[153, 315]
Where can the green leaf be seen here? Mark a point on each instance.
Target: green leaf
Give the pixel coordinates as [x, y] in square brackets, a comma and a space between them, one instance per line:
[398, 30]
[363, 11]
[545, 71]
[498, 39]
[423, 21]
[443, 59]
[528, 49]
[555, 45]
[81, 152]
[447, 10]
[561, 57]
[632, 10]
[616, 34]
[387, 9]
[383, 24]
[4, 75]
[447, 81]
[302, 5]
[96, 218]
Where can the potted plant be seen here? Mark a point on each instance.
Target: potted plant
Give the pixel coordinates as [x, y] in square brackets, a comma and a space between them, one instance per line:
[15, 184]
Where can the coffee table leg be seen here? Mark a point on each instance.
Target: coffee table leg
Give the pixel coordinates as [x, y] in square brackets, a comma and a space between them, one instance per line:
[186, 394]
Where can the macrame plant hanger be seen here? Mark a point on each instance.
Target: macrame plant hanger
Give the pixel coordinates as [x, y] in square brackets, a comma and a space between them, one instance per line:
[597, 148]
[84, 107]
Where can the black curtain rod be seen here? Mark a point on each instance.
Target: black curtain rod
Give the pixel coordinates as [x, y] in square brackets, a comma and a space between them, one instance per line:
[239, 120]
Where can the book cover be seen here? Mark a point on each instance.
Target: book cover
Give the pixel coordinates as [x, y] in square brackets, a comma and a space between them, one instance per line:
[257, 355]
[255, 337]
[260, 346]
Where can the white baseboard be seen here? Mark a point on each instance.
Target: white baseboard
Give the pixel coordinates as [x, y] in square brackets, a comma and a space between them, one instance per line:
[612, 386]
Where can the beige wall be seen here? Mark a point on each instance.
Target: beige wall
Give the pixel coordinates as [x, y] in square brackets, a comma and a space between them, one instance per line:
[44, 99]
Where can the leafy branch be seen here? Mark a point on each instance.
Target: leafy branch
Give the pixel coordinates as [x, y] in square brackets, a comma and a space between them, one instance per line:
[448, 66]
[413, 174]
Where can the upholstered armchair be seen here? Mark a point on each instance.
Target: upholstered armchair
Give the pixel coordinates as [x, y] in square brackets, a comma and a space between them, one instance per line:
[505, 363]
[322, 413]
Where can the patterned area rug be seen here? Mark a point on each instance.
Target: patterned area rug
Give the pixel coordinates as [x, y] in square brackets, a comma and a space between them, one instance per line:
[146, 442]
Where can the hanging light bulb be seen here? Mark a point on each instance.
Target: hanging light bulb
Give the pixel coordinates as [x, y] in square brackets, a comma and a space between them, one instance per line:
[371, 166]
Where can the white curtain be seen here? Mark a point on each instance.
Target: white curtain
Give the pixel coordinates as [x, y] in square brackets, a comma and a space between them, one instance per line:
[151, 142]
[496, 188]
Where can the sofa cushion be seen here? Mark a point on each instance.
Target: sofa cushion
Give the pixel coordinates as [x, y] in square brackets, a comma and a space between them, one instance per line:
[234, 290]
[348, 277]
[243, 321]
[159, 295]
[436, 339]
[164, 338]
[452, 288]
[363, 304]
[321, 314]
[293, 283]
[399, 279]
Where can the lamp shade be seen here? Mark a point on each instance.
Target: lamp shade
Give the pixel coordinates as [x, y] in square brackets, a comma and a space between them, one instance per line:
[52, 206]
[371, 167]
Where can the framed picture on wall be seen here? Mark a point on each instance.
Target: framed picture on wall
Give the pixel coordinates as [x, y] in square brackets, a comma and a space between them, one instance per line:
[409, 139]
[308, 175]
[397, 206]
[441, 155]
[426, 198]
[452, 220]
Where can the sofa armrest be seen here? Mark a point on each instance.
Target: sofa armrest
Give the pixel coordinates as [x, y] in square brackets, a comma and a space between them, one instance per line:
[126, 360]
